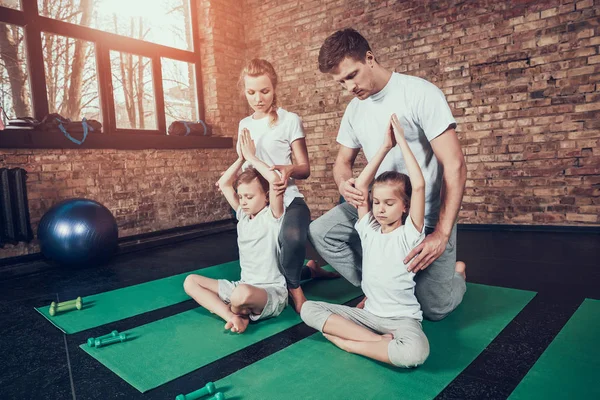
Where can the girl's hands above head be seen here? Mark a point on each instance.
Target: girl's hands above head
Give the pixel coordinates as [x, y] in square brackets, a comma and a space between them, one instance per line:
[389, 140]
[398, 131]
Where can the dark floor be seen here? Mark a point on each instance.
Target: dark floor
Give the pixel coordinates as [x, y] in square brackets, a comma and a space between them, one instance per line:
[38, 362]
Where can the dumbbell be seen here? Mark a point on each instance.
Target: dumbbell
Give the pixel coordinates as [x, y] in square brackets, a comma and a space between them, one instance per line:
[209, 388]
[65, 306]
[110, 340]
[91, 342]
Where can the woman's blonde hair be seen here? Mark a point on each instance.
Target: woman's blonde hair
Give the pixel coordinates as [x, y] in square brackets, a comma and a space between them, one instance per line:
[257, 67]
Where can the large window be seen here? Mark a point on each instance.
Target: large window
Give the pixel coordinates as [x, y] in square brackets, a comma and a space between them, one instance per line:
[130, 64]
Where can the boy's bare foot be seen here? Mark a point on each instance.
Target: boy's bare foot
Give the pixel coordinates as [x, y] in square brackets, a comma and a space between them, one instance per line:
[316, 272]
[361, 304]
[461, 268]
[237, 324]
[298, 298]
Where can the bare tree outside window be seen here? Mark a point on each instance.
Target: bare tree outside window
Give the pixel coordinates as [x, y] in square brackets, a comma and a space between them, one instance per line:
[133, 90]
[68, 62]
[16, 4]
[180, 91]
[164, 20]
[15, 95]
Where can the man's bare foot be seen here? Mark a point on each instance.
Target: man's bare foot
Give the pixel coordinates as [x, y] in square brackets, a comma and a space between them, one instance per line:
[298, 298]
[317, 272]
[237, 324]
[361, 305]
[461, 268]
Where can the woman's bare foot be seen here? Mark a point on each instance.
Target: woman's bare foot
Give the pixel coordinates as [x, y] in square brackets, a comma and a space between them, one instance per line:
[298, 298]
[461, 268]
[361, 304]
[317, 272]
[237, 324]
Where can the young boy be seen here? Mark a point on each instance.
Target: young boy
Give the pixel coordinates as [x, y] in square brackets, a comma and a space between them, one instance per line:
[261, 293]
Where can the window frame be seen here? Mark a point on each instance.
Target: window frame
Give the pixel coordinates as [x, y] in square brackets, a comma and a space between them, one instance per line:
[34, 25]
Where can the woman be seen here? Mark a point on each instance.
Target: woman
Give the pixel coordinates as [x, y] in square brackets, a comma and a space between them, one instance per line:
[278, 135]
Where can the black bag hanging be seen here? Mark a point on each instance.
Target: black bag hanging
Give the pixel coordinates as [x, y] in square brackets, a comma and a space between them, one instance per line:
[58, 123]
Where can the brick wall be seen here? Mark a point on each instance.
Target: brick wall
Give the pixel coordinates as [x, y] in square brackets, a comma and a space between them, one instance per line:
[150, 190]
[521, 77]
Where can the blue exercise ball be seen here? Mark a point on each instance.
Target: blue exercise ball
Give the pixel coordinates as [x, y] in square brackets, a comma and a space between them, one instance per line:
[78, 231]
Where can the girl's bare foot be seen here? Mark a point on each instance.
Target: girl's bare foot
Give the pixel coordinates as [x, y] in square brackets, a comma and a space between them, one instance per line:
[316, 272]
[361, 304]
[298, 298]
[237, 324]
[461, 268]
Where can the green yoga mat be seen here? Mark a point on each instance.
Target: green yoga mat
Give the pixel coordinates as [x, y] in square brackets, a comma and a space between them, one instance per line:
[169, 348]
[568, 369]
[315, 369]
[103, 308]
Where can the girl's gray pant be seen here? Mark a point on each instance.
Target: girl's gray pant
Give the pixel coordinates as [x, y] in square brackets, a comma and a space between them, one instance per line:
[438, 288]
[409, 348]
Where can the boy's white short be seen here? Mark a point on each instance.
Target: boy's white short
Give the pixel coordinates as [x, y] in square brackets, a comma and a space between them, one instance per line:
[277, 298]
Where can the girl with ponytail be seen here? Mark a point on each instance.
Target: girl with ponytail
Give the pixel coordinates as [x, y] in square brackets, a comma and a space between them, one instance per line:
[280, 143]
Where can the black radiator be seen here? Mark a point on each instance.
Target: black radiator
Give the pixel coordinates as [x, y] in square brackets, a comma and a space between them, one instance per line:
[15, 225]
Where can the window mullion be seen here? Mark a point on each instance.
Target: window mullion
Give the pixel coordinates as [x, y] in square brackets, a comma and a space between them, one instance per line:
[35, 59]
[159, 99]
[107, 101]
[198, 70]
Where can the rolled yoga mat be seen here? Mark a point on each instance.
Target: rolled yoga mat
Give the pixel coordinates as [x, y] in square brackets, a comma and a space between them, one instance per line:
[316, 369]
[115, 305]
[568, 369]
[174, 346]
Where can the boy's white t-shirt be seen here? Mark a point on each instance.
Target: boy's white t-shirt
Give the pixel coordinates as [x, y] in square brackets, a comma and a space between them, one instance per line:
[389, 287]
[423, 113]
[258, 245]
[274, 144]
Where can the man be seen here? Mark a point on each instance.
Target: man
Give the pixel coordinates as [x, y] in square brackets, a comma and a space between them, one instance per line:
[430, 131]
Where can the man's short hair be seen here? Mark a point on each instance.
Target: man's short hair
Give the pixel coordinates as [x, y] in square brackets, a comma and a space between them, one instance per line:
[345, 43]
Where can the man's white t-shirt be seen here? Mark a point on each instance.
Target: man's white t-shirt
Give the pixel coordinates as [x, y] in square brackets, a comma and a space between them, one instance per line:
[389, 287]
[423, 113]
[259, 248]
[274, 144]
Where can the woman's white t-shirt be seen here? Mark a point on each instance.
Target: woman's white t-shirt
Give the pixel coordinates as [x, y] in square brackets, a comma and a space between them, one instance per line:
[274, 144]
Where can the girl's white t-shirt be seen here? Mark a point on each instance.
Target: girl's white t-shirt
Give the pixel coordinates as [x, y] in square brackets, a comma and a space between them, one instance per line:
[274, 144]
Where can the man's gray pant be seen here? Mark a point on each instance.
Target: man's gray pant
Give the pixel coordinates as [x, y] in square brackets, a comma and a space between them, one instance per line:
[439, 288]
